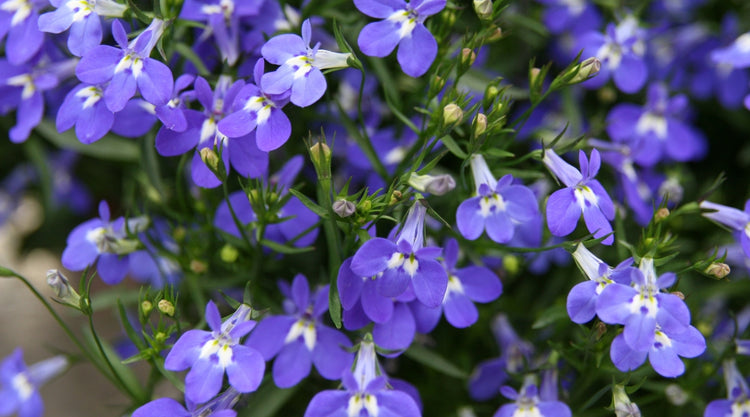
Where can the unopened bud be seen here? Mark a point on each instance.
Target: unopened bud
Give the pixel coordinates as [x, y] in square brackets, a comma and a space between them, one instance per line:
[436, 85]
[661, 214]
[483, 8]
[344, 208]
[166, 307]
[495, 35]
[146, 307]
[320, 154]
[480, 124]
[198, 267]
[622, 404]
[718, 270]
[511, 264]
[210, 158]
[433, 184]
[679, 295]
[365, 206]
[600, 328]
[229, 253]
[64, 292]
[395, 197]
[586, 70]
[468, 57]
[534, 75]
[452, 114]
[161, 337]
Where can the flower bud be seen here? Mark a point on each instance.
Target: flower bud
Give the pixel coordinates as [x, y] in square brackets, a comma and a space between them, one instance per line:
[320, 154]
[718, 270]
[480, 124]
[511, 264]
[436, 85]
[344, 208]
[64, 292]
[622, 404]
[585, 70]
[210, 158]
[452, 114]
[468, 57]
[365, 206]
[395, 197]
[678, 294]
[483, 9]
[661, 214]
[601, 329]
[229, 253]
[166, 307]
[436, 185]
[146, 307]
[495, 35]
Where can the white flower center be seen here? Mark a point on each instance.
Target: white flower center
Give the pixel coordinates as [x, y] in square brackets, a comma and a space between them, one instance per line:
[405, 21]
[303, 328]
[80, 8]
[586, 197]
[91, 96]
[21, 9]
[360, 401]
[491, 205]
[651, 122]
[261, 107]
[22, 385]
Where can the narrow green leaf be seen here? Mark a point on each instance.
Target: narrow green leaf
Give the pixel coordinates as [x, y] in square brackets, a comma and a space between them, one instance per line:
[499, 153]
[334, 303]
[314, 207]
[435, 361]
[287, 250]
[191, 56]
[267, 401]
[7, 273]
[129, 330]
[453, 147]
[125, 374]
[108, 148]
[550, 315]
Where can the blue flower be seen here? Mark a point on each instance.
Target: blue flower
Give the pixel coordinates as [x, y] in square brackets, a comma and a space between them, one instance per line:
[299, 339]
[582, 195]
[528, 403]
[221, 406]
[403, 26]
[404, 262]
[735, 219]
[621, 50]
[656, 131]
[738, 394]
[128, 68]
[210, 354]
[18, 20]
[499, 207]
[19, 384]
[300, 66]
[103, 242]
[82, 18]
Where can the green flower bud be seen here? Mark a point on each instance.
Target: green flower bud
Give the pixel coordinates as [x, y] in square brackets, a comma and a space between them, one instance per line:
[166, 307]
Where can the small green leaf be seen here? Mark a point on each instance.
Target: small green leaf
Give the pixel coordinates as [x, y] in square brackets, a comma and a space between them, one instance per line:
[550, 315]
[267, 401]
[453, 147]
[499, 153]
[314, 207]
[287, 250]
[435, 361]
[7, 273]
[124, 373]
[108, 148]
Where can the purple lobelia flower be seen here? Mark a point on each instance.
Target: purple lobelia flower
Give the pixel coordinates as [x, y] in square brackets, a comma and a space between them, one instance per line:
[405, 261]
[223, 18]
[366, 392]
[300, 66]
[255, 109]
[663, 352]
[656, 131]
[221, 406]
[85, 109]
[738, 394]
[403, 25]
[128, 68]
[737, 54]
[82, 17]
[498, 207]
[582, 195]
[210, 354]
[19, 384]
[172, 114]
[103, 242]
[566, 15]
[22, 85]
[643, 307]
[620, 49]
[465, 287]
[581, 303]
[735, 219]
[299, 339]
[18, 21]
[201, 132]
[528, 402]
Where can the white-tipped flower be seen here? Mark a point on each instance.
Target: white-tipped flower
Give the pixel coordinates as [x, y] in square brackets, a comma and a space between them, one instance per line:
[433, 184]
[623, 406]
[64, 292]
